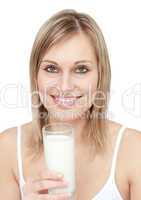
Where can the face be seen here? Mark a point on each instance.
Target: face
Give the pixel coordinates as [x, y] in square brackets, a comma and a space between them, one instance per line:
[67, 78]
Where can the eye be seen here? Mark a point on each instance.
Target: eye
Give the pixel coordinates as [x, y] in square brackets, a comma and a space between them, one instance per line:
[51, 69]
[82, 69]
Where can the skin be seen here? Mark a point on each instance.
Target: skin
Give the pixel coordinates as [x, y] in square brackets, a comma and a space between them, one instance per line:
[68, 79]
[128, 167]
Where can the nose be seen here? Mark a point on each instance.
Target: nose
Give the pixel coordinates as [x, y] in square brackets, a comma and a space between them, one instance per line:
[66, 83]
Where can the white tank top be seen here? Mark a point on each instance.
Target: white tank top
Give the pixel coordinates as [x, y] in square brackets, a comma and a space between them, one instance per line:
[108, 192]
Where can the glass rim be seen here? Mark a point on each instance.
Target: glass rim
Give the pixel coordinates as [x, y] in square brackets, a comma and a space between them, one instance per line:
[68, 125]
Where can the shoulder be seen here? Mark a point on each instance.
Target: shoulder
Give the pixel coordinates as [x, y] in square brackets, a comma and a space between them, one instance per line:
[130, 150]
[9, 186]
[130, 153]
[7, 158]
[133, 161]
[133, 144]
[8, 133]
[133, 137]
[8, 147]
[7, 139]
[130, 147]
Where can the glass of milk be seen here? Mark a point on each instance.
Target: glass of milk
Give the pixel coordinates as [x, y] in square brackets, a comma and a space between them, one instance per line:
[59, 149]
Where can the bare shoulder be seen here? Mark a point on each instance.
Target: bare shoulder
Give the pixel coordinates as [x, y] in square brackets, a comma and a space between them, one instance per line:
[133, 160]
[134, 138]
[130, 151]
[131, 136]
[8, 137]
[8, 162]
[133, 144]
[8, 148]
[130, 144]
[7, 140]
[7, 134]
[8, 184]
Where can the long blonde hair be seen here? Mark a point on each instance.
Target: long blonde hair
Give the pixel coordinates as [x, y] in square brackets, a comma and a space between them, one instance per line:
[58, 26]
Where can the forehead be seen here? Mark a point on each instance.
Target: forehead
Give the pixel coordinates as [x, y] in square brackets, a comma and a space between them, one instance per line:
[71, 49]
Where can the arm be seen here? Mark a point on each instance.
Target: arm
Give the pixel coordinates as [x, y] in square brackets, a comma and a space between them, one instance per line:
[9, 189]
[135, 165]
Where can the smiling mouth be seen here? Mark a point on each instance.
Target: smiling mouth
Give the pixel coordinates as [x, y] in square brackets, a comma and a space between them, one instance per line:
[65, 101]
[68, 97]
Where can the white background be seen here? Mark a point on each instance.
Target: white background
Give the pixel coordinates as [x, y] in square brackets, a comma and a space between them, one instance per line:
[120, 24]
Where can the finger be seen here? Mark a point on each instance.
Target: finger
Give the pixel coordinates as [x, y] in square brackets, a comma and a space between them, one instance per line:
[63, 196]
[48, 184]
[31, 196]
[47, 174]
[51, 174]
[37, 186]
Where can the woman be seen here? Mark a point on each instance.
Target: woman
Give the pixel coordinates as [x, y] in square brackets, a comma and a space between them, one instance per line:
[70, 82]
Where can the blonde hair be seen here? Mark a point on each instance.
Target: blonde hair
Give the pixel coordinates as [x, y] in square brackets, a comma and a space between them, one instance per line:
[63, 23]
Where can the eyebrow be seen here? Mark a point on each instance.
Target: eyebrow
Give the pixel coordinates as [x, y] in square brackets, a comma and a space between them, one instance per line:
[77, 62]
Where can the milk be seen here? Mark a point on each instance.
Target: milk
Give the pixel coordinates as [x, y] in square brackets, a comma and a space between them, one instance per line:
[59, 155]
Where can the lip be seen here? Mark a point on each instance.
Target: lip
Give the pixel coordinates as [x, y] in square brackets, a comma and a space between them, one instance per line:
[67, 97]
[65, 102]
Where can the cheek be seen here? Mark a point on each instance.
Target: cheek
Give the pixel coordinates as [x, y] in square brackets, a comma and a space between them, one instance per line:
[46, 86]
[90, 84]
[45, 81]
[91, 88]
[42, 85]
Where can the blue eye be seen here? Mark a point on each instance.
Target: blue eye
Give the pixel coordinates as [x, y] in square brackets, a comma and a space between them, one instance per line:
[82, 69]
[51, 69]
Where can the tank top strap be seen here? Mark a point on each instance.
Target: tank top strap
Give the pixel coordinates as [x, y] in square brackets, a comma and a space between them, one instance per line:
[115, 154]
[19, 156]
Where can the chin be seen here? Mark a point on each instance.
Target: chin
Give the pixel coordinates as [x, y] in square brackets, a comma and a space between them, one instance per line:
[65, 116]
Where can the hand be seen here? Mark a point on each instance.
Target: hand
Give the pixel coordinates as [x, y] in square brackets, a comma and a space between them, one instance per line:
[37, 189]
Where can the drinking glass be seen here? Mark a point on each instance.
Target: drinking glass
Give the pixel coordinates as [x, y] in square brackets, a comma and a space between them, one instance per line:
[59, 151]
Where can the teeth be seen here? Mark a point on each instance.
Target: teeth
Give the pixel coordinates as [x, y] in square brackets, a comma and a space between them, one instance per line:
[66, 100]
